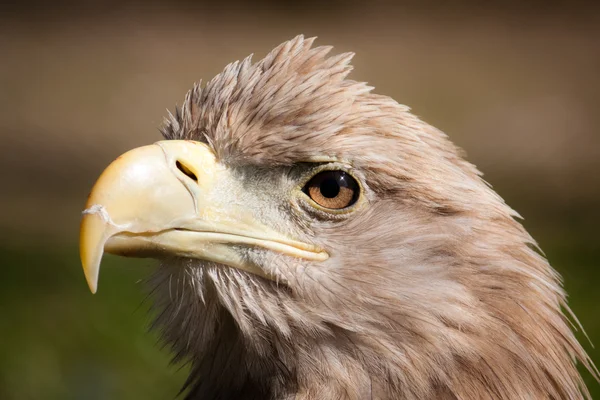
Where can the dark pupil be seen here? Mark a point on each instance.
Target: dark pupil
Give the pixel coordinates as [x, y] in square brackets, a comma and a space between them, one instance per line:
[330, 188]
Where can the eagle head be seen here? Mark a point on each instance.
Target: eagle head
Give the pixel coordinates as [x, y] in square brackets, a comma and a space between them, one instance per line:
[319, 241]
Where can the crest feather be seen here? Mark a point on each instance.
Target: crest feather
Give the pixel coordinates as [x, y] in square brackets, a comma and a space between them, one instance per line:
[296, 90]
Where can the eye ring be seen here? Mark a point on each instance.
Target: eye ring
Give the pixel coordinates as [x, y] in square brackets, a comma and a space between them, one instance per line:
[333, 189]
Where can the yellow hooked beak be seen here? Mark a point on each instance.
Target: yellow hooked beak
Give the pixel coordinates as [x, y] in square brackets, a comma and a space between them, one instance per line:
[166, 199]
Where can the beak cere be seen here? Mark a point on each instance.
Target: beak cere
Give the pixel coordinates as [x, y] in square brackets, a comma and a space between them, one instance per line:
[162, 200]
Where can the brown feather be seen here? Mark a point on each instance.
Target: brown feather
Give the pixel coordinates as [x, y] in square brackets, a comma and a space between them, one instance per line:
[433, 290]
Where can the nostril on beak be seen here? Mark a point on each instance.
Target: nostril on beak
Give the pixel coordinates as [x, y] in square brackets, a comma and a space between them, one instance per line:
[186, 171]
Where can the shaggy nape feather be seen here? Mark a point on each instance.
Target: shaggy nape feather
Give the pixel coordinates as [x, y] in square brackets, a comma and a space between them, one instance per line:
[433, 290]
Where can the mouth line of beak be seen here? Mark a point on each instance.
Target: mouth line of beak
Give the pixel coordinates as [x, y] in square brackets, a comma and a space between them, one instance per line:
[288, 247]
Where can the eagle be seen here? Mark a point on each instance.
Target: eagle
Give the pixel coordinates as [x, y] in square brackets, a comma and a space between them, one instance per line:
[319, 241]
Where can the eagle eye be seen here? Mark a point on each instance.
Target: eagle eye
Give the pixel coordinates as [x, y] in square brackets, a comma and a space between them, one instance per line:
[333, 189]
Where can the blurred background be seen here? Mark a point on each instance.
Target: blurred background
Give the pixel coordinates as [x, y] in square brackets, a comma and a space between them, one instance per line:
[516, 84]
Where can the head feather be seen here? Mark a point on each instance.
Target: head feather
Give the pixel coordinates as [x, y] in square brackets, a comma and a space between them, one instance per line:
[442, 295]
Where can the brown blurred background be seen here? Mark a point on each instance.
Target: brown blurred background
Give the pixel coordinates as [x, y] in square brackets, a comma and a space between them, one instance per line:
[517, 85]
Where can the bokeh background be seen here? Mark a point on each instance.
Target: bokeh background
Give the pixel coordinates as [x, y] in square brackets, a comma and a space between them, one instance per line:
[516, 84]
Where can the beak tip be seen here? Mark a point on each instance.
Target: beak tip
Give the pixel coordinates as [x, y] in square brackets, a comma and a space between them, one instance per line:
[91, 275]
[93, 286]
[92, 239]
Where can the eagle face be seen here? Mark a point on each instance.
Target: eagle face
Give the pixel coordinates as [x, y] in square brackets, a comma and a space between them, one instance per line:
[318, 241]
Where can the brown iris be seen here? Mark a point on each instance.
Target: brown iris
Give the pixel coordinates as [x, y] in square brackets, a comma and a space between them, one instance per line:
[332, 189]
